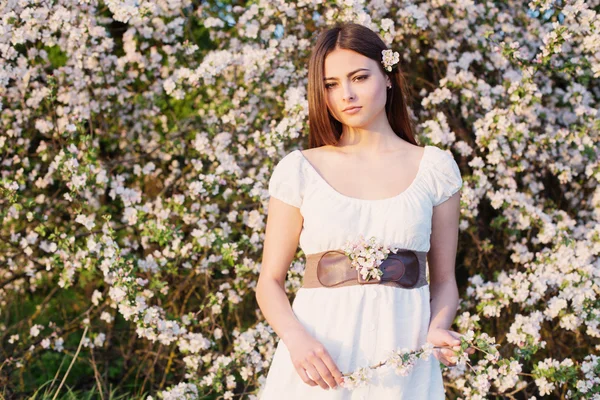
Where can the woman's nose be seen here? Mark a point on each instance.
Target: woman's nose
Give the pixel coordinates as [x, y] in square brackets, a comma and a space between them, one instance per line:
[348, 93]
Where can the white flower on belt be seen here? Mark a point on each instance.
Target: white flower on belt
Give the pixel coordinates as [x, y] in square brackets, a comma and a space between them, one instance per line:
[367, 256]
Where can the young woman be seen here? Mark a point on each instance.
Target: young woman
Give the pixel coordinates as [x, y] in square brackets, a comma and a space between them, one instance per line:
[364, 175]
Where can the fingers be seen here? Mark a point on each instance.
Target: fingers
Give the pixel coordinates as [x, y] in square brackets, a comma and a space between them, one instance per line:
[326, 368]
[315, 376]
[304, 376]
[446, 357]
[320, 369]
[449, 357]
[326, 375]
[452, 337]
[333, 369]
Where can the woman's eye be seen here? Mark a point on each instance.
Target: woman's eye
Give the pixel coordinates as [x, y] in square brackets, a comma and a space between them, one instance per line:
[358, 78]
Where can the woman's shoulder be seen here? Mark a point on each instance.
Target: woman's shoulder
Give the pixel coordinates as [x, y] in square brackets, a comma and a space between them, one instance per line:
[439, 154]
[445, 174]
[289, 161]
[287, 179]
[317, 159]
[317, 153]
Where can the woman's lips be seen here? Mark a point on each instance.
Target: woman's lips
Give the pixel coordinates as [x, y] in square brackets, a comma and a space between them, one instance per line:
[353, 110]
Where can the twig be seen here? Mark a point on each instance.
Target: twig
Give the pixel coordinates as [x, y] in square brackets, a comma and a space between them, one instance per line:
[57, 372]
[71, 365]
[97, 375]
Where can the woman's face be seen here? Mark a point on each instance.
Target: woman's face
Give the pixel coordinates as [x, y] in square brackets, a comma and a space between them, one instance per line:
[353, 80]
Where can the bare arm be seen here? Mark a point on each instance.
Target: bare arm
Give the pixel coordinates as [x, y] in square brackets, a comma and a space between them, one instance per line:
[311, 359]
[441, 259]
[443, 289]
[284, 223]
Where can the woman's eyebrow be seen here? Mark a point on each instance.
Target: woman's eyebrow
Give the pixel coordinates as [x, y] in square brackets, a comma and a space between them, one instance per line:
[349, 74]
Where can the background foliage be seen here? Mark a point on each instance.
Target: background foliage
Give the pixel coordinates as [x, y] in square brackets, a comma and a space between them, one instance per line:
[137, 139]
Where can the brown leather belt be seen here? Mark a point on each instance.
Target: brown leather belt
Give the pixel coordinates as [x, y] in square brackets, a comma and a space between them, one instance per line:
[333, 268]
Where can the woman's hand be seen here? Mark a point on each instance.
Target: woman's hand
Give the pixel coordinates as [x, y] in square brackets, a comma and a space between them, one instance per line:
[446, 338]
[312, 361]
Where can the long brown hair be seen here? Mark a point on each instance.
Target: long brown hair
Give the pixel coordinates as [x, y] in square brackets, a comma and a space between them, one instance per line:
[326, 130]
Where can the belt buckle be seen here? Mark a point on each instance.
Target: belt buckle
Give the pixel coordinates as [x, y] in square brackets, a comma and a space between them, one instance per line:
[393, 269]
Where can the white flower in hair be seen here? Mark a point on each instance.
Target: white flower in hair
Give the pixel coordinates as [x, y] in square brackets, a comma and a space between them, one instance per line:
[390, 58]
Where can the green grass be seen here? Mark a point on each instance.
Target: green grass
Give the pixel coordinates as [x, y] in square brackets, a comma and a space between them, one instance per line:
[47, 392]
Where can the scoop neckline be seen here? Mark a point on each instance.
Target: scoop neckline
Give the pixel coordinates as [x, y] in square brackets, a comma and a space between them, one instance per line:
[356, 199]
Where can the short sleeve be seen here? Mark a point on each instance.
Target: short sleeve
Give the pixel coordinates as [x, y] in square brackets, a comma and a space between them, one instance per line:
[446, 177]
[286, 181]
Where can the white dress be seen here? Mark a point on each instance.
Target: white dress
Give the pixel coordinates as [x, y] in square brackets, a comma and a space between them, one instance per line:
[360, 325]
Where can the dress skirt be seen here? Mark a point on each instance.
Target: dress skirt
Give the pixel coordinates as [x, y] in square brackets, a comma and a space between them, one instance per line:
[359, 326]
